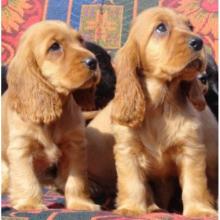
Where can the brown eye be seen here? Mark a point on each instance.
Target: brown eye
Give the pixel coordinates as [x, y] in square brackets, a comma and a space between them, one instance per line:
[54, 47]
[203, 78]
[191, 27]
[81, 40]
[161, 28]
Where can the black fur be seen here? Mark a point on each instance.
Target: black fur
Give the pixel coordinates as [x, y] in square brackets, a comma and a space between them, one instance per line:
[210, 79]
[4, 82]
[106, 87]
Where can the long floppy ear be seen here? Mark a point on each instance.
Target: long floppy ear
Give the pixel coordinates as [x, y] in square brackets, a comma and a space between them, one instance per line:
[29, 93]
[129, 103]
[196, 95]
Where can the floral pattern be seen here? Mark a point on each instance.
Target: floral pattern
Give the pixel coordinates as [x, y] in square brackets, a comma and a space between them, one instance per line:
[13, 14]
[17, 16]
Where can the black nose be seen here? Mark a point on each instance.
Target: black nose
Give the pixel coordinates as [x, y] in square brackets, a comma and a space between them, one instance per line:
[196, 43]
[91, 63]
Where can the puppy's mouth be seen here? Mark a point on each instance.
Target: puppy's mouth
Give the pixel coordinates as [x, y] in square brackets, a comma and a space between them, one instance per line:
[195, 64]
[91, 81]
[192, 69]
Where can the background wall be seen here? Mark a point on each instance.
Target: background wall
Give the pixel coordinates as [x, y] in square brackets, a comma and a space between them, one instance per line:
[105, 22]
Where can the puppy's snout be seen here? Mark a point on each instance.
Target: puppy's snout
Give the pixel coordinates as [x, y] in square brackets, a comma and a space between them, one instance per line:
[196, 43]
[91, 63]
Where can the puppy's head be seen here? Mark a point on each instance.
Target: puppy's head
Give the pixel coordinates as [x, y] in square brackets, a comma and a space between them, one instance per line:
[161, 45]
[169, 47]
[51, 61]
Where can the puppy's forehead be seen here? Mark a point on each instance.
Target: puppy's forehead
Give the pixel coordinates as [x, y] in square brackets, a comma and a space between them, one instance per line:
[162, 14]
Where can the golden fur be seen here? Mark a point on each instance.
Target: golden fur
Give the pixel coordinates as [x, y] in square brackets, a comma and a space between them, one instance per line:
[161, 124]
[41, 122]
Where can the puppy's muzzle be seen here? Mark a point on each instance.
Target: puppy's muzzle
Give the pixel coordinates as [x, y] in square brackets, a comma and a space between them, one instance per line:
[96, 76]
[92, 64]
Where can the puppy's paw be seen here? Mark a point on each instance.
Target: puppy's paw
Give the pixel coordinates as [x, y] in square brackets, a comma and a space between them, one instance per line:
[131, 211]
[154, 208]
[24, 206]
[76, 204]
[200, 212]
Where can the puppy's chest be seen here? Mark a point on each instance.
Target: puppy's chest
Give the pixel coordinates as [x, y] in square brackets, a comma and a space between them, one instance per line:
[50, 138]
[161, 135]
[159, 131]
[47, 149]
[56, 135]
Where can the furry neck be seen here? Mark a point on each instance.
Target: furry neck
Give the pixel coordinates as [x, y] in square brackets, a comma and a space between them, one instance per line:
[160, 92]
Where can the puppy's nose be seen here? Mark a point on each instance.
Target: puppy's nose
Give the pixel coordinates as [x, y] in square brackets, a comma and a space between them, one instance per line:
[91, 63]
[196, 43]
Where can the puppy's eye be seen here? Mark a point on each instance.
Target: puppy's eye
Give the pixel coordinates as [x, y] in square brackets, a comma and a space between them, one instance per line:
[191, 27]
[161, 28]
[54, 47]
[203, 78]
[81, 40]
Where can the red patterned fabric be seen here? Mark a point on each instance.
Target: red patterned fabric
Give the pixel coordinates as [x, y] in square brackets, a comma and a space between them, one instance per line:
[17, 16]
[56, 211]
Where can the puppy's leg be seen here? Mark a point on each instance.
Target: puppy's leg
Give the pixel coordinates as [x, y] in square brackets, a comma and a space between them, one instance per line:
[133, 197]
[25, 192]
[212, 174]
[197, 200]
[74, 171]
[5, 176]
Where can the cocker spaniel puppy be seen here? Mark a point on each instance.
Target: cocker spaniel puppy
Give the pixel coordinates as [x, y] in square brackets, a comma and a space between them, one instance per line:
[41, 123]
[161, 124]
[158, 132]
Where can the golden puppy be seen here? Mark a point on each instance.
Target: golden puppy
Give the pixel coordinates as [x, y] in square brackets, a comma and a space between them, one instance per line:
[41, 122]
[157, 129]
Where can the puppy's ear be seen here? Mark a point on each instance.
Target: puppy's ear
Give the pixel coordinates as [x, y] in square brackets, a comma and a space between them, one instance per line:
[129, 103]
[29, 93]
[85, 98]
[196, 95]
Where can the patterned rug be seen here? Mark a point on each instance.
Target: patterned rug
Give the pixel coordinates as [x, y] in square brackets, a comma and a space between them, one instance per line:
[56, 211]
